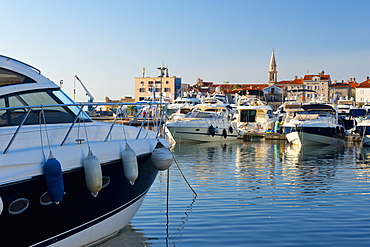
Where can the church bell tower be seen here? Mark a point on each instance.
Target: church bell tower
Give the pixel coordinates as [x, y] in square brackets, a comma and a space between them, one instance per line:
[272, 69]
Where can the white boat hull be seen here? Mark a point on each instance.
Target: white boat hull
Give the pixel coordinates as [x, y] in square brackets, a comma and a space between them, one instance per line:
[303, 138]
[199, 134]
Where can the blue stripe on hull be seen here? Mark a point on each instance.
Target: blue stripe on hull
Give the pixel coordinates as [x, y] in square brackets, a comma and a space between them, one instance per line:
[361, 129]
[329, 132]
[78, 206]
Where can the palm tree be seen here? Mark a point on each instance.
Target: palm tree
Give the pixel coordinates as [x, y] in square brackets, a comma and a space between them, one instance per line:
[131, 110]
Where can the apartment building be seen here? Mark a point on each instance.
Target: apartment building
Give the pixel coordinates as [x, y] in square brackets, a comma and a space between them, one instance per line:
[154, 87]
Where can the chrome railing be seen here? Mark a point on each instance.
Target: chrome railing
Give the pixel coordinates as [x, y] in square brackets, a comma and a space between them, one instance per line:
[158, 116]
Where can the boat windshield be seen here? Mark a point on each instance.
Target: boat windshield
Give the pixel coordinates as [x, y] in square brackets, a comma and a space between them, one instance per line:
[46, 98]
[196, 114]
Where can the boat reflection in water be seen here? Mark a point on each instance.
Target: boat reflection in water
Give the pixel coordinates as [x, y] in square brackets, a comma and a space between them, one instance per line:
[312, 153]
[256, 189]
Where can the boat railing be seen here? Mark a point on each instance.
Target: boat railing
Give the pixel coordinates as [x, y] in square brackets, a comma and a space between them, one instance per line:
[9, 58]
[159, 115]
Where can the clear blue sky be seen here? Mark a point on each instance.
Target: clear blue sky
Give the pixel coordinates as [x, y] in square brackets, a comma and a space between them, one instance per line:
[107, 42]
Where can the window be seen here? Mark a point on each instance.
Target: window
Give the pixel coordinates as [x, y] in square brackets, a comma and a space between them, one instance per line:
[18, 206]
[167, 90]
[58, 114]
[142, 90]
[8, 77]
[167, 82]
[150, 82]
[142, 83]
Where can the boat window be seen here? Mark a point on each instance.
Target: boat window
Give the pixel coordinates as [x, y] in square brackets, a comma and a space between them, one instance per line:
[58, 114]
[8, 77]
[106, 181]
[248, 116]
[66, 100]
[18, 206]
[45, 199]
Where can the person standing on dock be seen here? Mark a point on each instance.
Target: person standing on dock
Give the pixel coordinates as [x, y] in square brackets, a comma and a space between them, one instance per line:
[278, 123]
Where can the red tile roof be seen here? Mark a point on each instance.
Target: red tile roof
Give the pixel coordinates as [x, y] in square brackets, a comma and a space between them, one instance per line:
[365, 84]
[309, 77]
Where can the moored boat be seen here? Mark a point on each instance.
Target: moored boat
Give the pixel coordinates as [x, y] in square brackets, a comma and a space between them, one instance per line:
[65, 179]
[318, 124]
[253, 115]
[203, 124]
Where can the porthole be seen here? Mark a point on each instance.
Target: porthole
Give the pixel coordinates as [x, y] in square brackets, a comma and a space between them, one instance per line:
[106, 181]
[18, 206]
[197, 129]
[1, 206]
[45, 199]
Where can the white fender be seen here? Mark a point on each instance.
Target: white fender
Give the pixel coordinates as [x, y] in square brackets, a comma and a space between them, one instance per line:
[130, 166]
[162, 157]
[93, 174]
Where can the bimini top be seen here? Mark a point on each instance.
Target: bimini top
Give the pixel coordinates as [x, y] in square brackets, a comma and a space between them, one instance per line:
[17, 76]
[318, 107]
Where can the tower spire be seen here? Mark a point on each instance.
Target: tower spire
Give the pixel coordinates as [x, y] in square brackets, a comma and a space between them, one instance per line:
[272, 69]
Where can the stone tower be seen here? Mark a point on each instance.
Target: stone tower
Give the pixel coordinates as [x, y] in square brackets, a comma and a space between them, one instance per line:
[272, 69]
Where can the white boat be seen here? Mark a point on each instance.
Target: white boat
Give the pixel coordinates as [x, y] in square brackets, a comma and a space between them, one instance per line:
[363, 128]
[66, 180]
[345, 105]
[318, 124]
[253, 115]
[182, 103]
[203, 124]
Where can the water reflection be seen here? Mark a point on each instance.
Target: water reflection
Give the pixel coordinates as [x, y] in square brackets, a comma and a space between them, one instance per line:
[127, 237]
[312, 153]
[257, 188]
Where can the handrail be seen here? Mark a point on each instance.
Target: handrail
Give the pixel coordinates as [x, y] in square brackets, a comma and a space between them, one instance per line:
[16, 132]
[70, 127]
[81, 106]
[9, 58]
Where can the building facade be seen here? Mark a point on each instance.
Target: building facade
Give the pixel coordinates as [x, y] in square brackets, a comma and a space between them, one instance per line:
[363, 92]
[155, 87]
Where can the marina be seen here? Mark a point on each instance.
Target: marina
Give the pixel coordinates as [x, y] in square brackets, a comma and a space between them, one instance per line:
[184, 124]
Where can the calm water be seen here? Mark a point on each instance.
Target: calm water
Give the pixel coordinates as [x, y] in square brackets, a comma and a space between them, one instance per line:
[257, 193]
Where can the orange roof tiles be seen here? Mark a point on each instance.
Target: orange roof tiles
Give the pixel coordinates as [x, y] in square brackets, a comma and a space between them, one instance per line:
[309, 77]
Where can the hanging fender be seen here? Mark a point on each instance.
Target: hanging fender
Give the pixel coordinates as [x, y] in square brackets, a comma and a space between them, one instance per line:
[162, 157]
[231, 130]
[211, 130]
[93, 174]
[130, 166]
[224, 133]
[54, 179]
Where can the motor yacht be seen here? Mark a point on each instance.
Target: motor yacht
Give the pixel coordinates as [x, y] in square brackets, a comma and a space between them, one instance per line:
[66, 180]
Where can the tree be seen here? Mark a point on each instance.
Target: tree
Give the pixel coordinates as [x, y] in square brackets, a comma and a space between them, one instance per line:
[131, 110]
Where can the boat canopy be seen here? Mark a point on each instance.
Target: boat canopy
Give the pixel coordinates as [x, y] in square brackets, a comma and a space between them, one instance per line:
[317, 107]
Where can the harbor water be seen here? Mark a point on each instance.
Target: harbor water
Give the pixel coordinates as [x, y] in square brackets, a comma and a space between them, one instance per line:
[256, 193]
